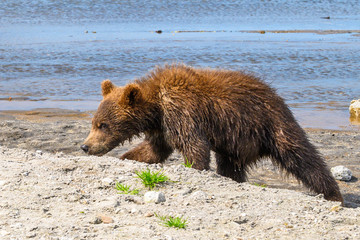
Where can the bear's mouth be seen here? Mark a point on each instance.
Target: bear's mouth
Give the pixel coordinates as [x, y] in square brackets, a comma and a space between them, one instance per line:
[95, 150]
[100, 151]
[98, 154]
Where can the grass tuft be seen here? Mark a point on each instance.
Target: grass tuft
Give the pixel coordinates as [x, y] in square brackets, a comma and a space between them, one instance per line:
[187, 164]
[259, 185]
[125, 189]
[175, 222]
[150, 179]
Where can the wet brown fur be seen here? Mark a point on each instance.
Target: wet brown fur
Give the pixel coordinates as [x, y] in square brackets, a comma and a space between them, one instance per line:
[234, 114]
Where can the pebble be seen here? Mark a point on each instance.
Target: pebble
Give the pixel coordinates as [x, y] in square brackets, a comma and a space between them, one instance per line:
[97, 220]
[341, 173]
[107, 181]
[31, 235]
[2, 183]
[156, 197]
[102, 219]
[106, 219]
[168, 237]
[149, 214]
[335, 208]
[199, 195]
[109, 203]
[186, 191]
[4, 233]
[134, 210]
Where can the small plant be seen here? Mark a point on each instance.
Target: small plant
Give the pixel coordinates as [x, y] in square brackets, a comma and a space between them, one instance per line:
[169, 221]
[259, 185]
[187, 164]
[150, 179]
[125, 189]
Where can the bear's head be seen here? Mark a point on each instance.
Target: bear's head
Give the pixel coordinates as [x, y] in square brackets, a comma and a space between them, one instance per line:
[123, 113]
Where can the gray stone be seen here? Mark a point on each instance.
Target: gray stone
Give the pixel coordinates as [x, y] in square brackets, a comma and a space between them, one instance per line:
[186, 191]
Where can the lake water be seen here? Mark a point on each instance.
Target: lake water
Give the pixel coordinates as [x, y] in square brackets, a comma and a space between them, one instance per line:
[56, 53]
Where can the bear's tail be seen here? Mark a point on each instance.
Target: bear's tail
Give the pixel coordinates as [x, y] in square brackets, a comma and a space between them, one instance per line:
[297, 156]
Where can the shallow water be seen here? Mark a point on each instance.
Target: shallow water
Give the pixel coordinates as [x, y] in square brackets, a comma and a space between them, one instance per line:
[56, 53]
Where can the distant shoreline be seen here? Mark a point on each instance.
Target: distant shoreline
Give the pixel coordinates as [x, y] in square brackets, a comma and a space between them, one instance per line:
[329, 31]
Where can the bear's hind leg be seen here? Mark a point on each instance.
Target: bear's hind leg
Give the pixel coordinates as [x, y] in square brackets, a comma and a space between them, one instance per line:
[227, 168]
[302, 160]
[153, 149]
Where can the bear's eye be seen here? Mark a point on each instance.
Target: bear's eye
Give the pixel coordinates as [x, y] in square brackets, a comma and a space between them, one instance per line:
[103, 126]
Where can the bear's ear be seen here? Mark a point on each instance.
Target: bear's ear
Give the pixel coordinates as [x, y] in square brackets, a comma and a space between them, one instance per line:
[106, 87]
[132, 95]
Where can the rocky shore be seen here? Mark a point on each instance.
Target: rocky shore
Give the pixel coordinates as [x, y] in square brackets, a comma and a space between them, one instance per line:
[50, 190]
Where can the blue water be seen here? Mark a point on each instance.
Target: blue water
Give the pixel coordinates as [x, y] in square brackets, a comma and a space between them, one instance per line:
[56, 53]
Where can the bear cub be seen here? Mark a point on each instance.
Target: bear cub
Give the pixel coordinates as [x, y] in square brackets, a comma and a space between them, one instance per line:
[196, 111]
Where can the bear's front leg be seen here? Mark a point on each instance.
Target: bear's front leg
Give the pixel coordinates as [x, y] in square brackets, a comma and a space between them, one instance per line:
[153, 149]
[197, 153]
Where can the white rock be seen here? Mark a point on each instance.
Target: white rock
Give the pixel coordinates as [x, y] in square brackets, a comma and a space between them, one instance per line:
[156, 197]
[199, 195]
[4, 233]
[341, 173]
[168, 237]
[354, 108]
[109, 203]
[2, 183]
[107, 181]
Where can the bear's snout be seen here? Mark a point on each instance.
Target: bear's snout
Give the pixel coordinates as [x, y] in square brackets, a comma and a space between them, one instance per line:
[85, 148]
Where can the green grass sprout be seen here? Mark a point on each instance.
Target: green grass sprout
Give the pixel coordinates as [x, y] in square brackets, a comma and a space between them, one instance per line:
[187, 164]
[125, 189]
[150, 179]
[175, 222]
[259, 185]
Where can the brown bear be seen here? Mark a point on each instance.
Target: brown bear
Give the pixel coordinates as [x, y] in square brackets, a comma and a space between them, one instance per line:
[196, 111]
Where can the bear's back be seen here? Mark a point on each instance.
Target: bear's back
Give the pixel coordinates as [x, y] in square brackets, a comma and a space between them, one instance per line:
[180, 81]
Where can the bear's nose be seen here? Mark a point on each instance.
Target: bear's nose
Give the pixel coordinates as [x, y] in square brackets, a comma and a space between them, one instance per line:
[85, 148]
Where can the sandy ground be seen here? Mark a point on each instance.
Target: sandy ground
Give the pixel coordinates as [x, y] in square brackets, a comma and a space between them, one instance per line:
[50, 190]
